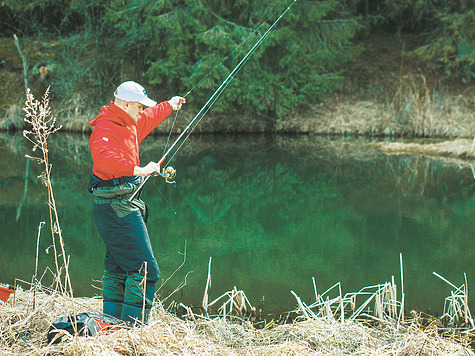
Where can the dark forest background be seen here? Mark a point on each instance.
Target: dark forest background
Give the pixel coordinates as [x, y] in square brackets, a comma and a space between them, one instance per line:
[88, 47]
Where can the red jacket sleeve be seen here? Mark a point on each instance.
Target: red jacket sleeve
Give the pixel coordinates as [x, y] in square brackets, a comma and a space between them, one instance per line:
[151, 118]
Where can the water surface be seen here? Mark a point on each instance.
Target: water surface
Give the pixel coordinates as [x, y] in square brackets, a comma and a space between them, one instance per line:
[272, 212]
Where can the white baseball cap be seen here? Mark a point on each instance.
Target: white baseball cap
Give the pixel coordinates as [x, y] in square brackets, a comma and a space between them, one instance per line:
[132, 91]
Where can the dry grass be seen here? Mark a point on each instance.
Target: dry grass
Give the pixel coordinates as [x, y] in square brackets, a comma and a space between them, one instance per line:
[24, 330]
[410, 113]
[461, 148]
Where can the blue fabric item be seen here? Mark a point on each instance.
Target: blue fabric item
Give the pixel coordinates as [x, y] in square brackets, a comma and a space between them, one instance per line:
[134, 289]
[113, 285]
[113, 309]
[128, 251]
[127, 242]
[132, 314]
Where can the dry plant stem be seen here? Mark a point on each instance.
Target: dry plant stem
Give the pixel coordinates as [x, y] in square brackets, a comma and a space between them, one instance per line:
[465, 304]
[208, 282]
[179, 287]
[144, 291]
[315, 289]
[24, 61]
[42, 126]
[34, 279]
[456, 305]
[401, 317]
[179, 267]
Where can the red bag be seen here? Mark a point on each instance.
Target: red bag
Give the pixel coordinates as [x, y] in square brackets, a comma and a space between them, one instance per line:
[85, 324]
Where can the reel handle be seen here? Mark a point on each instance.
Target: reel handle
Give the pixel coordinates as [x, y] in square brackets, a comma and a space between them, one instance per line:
[169, 173]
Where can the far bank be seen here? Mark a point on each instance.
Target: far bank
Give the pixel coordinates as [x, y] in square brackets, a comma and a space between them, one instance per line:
[384, 93]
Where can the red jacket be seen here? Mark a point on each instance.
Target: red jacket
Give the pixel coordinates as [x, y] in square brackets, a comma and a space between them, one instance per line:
[116, 137]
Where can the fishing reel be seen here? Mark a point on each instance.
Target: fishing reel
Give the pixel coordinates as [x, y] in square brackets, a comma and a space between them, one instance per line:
[169, 173]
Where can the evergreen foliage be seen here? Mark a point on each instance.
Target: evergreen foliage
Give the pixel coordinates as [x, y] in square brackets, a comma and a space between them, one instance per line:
[181, 42]
[40, 17]
[452, 48]
[171, 46]
[446, 29]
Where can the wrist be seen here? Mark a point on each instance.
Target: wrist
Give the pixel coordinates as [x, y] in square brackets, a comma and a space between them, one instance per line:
[138, 171]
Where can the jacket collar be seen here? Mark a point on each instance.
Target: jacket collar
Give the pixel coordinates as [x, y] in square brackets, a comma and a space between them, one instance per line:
[115, 114]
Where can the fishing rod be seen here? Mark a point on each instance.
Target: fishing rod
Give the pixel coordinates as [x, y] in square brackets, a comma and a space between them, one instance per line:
[169, 172]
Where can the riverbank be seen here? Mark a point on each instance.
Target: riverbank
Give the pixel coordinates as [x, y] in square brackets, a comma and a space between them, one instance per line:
[460, 148]
[26, 319]
[384, 93]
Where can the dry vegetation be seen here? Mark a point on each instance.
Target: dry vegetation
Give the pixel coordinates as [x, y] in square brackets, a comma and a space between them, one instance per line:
[461, 148]
[24, 330]
[368, 322]
[412, 108]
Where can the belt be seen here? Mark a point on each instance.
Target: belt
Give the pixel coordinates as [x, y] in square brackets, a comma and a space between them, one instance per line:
[97, 182]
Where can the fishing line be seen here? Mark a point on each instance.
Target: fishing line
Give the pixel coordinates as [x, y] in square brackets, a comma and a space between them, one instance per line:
[207, 106]
[170, 133]
[164, 198]
[253, 32]
[194, 126]
[235, 49]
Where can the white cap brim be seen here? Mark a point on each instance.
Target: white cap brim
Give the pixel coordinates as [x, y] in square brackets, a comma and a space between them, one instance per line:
[131, 91]
[148, 102]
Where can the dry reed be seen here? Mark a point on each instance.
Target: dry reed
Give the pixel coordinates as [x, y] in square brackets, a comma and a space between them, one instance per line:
[23, 330]
[41, 126]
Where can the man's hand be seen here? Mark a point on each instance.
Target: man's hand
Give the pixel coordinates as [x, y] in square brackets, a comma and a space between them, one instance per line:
[150, 168]
[176, 102]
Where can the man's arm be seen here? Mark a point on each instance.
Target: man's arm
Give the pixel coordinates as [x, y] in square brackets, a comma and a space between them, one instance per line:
[153, 116]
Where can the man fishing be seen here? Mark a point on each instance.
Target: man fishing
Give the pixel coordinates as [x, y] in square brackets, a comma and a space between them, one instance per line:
[131, 270]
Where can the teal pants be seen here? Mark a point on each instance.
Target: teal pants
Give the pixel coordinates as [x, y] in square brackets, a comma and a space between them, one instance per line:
[131, 270]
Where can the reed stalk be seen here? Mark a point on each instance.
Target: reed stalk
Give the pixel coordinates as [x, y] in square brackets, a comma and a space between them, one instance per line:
[34, 279]
[401, 317]
[42, 126]
[208, 283]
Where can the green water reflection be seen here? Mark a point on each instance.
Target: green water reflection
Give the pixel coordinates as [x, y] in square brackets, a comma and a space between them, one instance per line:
[273, 212]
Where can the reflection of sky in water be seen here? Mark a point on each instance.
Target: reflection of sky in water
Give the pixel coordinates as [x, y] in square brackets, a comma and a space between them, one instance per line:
[272, 212]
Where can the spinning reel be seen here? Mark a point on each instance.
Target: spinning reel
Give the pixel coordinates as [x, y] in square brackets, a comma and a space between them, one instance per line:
[169, 173]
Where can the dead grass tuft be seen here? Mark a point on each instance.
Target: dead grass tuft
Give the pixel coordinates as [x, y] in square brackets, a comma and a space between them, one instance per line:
[24, 330]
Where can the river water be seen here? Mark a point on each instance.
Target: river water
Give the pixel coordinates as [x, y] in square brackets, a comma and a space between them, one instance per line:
[271, 211]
